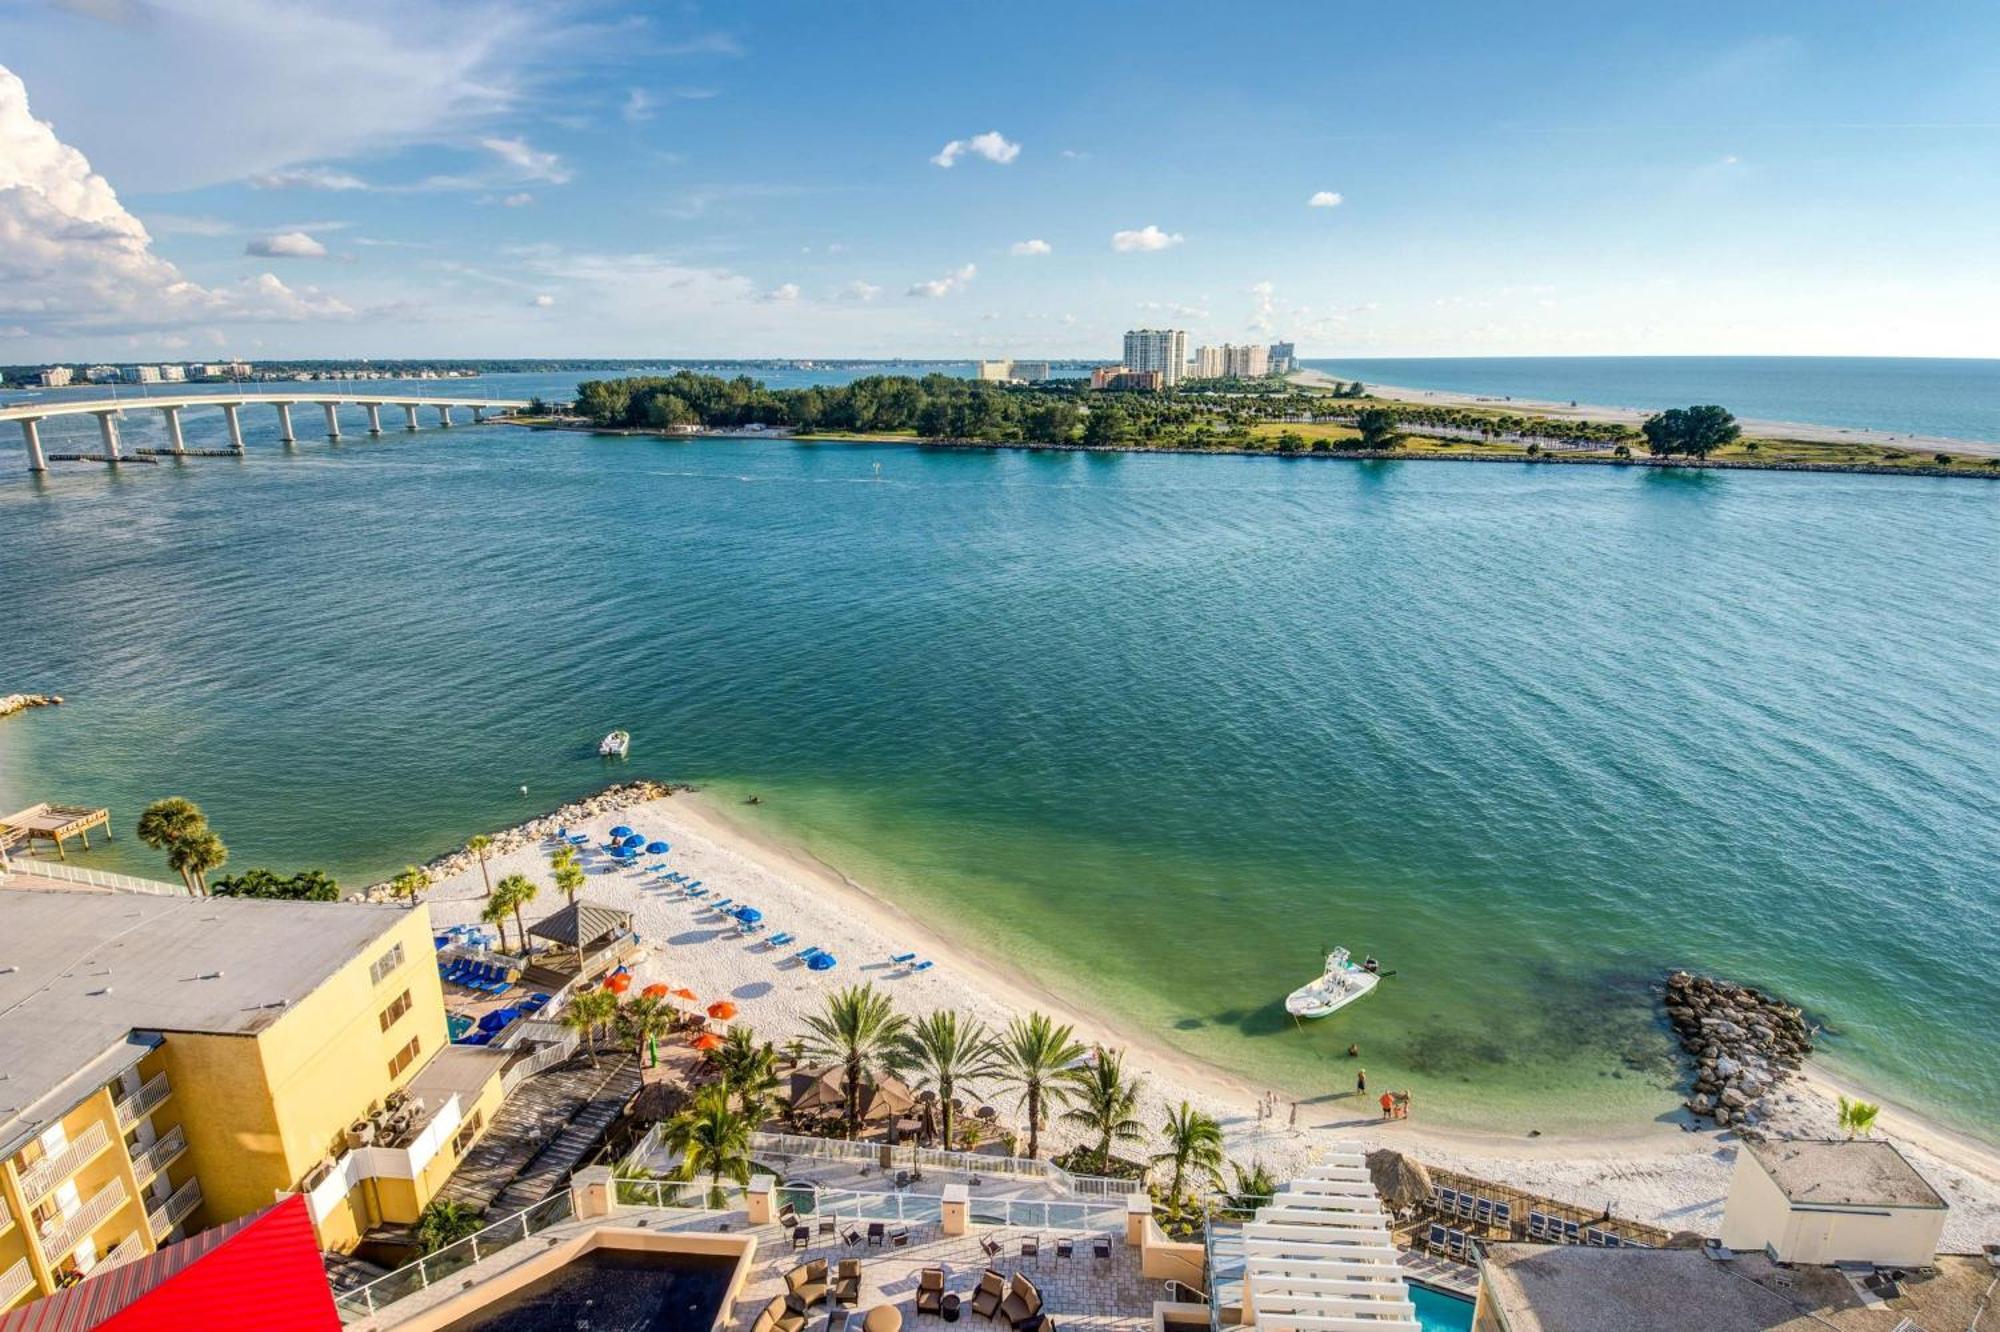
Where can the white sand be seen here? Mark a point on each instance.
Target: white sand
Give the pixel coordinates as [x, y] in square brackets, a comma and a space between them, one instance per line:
[1635, 416]
[1656, 1173]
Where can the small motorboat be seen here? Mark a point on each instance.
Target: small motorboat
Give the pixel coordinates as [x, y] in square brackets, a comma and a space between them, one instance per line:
[615, 745]
[1338, 986]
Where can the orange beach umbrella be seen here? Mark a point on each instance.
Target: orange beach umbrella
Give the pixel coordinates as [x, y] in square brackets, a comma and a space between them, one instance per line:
[708, 1040]
[722, 1010]
[682, 992]
[657, 990]
[619, 982]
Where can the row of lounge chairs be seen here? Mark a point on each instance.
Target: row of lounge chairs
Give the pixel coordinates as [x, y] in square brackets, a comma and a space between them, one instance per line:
[1471, 1207]
[1450, 1242]
[488, 977]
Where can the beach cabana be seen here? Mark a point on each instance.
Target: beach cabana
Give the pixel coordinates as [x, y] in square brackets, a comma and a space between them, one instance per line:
[825, 1090]
[587, 935]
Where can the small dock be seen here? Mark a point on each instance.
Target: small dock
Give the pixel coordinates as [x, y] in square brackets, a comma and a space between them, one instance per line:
[48, 822]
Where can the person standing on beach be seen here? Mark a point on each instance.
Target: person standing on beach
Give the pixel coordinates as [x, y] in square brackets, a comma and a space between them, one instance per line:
[1295, 1115]
[1388, 1106]
[1361, 1082]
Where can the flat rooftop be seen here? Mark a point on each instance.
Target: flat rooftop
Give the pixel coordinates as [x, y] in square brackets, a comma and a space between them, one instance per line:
[1844, 1173]
[85, 976]
[1571, 1288]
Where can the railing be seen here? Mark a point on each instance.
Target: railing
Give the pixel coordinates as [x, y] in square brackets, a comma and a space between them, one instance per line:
[796, 1146]
[366, 1301]
[72, 1229]
[1226, 1264]
[692, 1195]
[121, 883]
[14, 1281]
[43, 1176]
[132, 1246]
[160, 1155]
[175, 1209]
[154, 1090]
[539, 1062]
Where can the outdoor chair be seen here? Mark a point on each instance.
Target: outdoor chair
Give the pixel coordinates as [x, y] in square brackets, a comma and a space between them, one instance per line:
[876, 1231]
[777, 1316]
[1031, 1248]
[899, 1237]
[930, 1290]
[991, 1245]
[902, 1179]
[850, 1237]
[1023, 1301]
[847, 1283]
[1100, 1248]
[807, 1282]
[788, 1216]
[801, 1237]
[992, 1290]
[1065, 1248]
[828, 1226]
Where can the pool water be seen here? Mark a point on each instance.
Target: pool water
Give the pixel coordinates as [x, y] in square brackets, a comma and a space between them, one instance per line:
[611, 1290]
[458, 1024]
[1439, 1312]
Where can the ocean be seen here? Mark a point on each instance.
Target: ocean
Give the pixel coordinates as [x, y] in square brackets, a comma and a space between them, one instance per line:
[1157, 729]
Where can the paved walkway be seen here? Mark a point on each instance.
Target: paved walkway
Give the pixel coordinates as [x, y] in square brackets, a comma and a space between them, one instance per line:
[544, 1129]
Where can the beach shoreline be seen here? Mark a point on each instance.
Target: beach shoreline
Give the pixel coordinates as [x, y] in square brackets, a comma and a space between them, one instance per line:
[1664, 1171]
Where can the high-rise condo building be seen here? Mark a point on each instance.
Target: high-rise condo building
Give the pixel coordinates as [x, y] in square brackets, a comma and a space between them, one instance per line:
[1161, 349]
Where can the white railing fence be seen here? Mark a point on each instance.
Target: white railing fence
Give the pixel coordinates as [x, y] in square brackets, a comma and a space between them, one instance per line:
[789, 1147]
[366, 1301]
[121, 883]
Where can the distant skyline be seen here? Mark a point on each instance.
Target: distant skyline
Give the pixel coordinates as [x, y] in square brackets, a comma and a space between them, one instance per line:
[195, 179]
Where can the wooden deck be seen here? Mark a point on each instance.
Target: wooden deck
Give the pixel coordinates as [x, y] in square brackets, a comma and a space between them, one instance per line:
[47, 822]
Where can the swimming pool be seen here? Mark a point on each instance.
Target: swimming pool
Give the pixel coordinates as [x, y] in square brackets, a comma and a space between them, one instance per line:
[1441, 1312]
[613, 1290]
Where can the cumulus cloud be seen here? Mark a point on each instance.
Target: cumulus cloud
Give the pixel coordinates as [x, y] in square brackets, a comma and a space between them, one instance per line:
[286, 245]
[784, 291]
[521, 200]
[307, 178]
[992, 145]
[530, 162]
[1031, 247]
[72, 259]
[946, 285]
[1324, 199]
[1146, 238]
[860, 291]
[543, 301]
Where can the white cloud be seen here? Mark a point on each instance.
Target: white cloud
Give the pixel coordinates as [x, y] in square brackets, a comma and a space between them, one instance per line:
[543, 301]
[860, 291]
[784, 291]
[1324, 199]
[532, 163]
[286, 245]
[521, 200]
[639, 105]
[947, 284]
[1146, 238]
[73, 260]
[307, 178]
[992, 145]
[1263, 311]
[1031, 247]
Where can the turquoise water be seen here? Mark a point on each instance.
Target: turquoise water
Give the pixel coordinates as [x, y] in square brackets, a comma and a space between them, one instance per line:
[1439, 1312]
[1152, 728]
[1955, 399]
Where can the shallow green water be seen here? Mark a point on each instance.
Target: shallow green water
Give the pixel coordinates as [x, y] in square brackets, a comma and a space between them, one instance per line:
[1155, 729]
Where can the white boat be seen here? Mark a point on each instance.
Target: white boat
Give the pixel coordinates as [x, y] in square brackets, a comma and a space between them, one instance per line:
[1339, 985]
[615, 745]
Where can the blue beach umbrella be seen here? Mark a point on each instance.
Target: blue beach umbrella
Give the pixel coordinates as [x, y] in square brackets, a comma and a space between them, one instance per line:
[621, 831]
[657, 848]
[748, 915]
[498, 1019]
[822, 962]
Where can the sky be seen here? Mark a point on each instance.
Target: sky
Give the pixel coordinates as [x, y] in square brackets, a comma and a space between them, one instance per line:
[389, 178]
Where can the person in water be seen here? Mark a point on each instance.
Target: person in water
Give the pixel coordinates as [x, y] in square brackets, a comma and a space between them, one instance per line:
[1361, 1082]
[1388, 1106]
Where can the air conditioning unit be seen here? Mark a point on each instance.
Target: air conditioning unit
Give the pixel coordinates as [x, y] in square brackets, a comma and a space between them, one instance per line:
[360, 1133]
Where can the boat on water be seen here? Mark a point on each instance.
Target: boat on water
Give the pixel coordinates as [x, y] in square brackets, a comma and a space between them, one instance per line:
[1343, 981]
[615, 745]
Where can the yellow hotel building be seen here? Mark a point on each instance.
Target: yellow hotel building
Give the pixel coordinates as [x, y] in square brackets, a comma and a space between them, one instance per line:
[170, 1063]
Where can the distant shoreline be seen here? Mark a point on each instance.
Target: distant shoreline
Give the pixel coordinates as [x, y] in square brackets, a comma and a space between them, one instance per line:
[1335, 455]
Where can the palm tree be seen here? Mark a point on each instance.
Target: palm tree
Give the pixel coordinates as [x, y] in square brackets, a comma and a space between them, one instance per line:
[713, 1140]
[1858, 1117]
[585, 1013]
[166, 823]
[642, 1020]
[410, 884]
[445, 1222]
[1254, 1182]
[1194, 1142]
[1107, 1103]
[569, 878]
[750, 1071]
[509, 895]
[943, 1051]
[478, 844]
[1033, 1055]
[858, 1030]
[195, 855]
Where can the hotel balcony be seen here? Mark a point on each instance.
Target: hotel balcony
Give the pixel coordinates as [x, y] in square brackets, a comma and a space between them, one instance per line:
[141, 1102]
[14, 1281]
[175, 1209]
[41, 1178]
[163, 1153]
[67, 1232]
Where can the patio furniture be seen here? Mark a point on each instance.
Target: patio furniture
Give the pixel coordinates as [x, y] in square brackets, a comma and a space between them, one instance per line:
[788, 1215]
[1031, 1247]
[991, 1245]
[847, 1283]
[930, 1290]
[1065, 1248]
[948, 1308]
[992, 1290]
[883, 1318]
[1023, 1301]
[899, 1237]
[850, 1237]
[1100, 1248]
[876, 1232]
[801, 1237]
[778, 1316]
[807, 1282]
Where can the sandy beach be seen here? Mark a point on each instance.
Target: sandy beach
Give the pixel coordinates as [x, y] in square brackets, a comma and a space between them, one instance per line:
[1661, 1173]
[1635, 416]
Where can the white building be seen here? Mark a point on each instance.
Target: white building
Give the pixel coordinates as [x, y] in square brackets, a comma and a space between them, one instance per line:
[57, 376]
[173, 374]
[996, 372]
[1208, 363]
[1031, 372]
[1246, 362]
[1823, 1203]
[1284, 358]
[1161, 349]
[103, 374]
[145, 374]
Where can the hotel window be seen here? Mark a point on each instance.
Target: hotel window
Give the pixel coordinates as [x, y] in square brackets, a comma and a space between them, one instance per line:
[395, 1010]
[404, 1057]
[385, 964]
[466, 1133]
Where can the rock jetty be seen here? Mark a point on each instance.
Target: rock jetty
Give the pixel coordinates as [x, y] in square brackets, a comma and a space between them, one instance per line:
[1744, 1043]
[13, 703]
[622, 796]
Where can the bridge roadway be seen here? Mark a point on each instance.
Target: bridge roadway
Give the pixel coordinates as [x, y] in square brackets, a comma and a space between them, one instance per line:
[108, 410]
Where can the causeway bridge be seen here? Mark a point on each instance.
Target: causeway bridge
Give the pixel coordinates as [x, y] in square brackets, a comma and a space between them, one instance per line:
[30, 415]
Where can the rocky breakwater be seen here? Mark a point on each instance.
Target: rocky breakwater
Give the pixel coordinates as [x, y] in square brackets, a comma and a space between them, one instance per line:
[536, 830]
[13, 703]
[1744, 1045]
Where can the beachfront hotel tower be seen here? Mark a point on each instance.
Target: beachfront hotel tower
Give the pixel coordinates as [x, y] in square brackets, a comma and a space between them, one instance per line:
[172, 1063]
[1161, 349]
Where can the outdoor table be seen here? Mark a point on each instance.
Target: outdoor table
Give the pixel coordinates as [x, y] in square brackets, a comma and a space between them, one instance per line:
[948, 1308]
[883, 1318]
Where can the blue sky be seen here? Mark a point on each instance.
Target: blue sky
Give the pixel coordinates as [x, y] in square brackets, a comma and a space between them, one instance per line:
[513, 177]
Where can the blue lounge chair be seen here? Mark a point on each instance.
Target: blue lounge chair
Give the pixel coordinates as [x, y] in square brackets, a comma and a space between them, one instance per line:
[902, 959]
[694, 892]
[780, 940]
[1435, 1237]
[924, 965]
[805, 954]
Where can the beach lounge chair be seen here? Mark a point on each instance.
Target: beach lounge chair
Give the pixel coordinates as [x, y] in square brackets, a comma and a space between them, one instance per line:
[991, 1292]
[847, 1283]
[806, 954]
[930, 1290]
[1458, 1240]
[780, 940]
[1447, 1201]
[1569, 1232]
[922, 966]
[1482, 1212]
[1503, 1214]
[901, 959]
